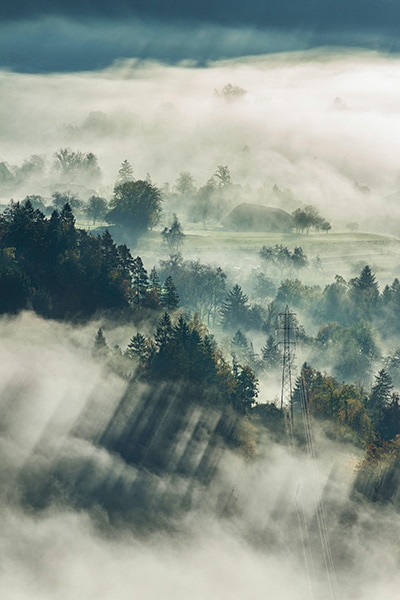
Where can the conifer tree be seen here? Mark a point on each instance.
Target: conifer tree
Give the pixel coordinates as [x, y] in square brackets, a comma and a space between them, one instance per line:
[100, 345]
[140, 281]
[169, 294]
[380, 396]
[271, 353]
[125, 172]
[235, 308]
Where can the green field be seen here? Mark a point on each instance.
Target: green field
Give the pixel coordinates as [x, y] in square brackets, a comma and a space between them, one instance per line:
[340, 253]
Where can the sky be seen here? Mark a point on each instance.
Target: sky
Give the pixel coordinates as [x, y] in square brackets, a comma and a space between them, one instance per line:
[53, 36]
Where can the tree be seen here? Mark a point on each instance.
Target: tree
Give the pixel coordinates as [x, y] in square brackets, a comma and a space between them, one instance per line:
[169, 295]
[380, 396]
[203, 206]
[231, 92]
[223, 176]
[32, 167]
[135, 206]
[185, 184]
[263, 286]
[125, 172]
[164, 331]
[325, 226]
[352, 226]
[36, 201]
[282, 258]
[154, 289]
[246, 388]
[140, 282]
[271, 354]
[100, 348]
[298, 259]
[96, 208]
[307, 217]
[235, 308]
[59, 199]
[142, 348]
[72, 164]
[173, 236]
[364, 292]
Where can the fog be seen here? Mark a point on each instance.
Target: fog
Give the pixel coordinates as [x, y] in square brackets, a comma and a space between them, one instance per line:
[324, 124]
[81, 518]
[74, 525]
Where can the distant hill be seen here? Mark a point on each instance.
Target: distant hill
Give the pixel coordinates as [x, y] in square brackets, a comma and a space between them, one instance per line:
[256, 217]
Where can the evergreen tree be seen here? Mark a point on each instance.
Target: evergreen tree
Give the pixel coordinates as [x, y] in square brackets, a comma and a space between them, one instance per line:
[140, 282]
[136, 346]
[364, 292]
[125, 172]
[240, 346]
[246, 388]
[169, 294]
[271, 354]
[100, 345]
[235, 308]
[389, 426]
[380, 396]
[164, 331]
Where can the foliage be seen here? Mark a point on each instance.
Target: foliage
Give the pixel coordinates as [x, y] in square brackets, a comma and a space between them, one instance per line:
[185, 184]
[96, 208]
[173, 235]
[185, 351]
[135, 206]
[271, 354]
[223, 176]
[307, 218]
[59, 199]
[125, 172]
[201, 287]
[71, 164]
[50, 266]
[235, 309]
[231, 92]
[283, 259]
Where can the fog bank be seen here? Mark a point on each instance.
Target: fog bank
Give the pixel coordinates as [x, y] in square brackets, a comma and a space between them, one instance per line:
[249, 531]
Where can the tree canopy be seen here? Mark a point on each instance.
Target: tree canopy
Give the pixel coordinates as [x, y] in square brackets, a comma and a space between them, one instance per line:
[135, 206]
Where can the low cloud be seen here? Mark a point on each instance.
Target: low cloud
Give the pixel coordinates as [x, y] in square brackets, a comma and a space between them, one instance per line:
[324, 124]
[251, 531]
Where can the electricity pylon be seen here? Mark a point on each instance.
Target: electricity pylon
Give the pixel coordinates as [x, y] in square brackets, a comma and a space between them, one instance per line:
[287, 329]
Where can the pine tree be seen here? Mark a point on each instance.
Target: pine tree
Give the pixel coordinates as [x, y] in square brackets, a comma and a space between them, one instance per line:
[140, 281]
[235, 308]
[164, 331]
[125, 172]
[271, 354]
[100, 345]
[380, 396]
[246, 388]
[169, 294]
[364, 292]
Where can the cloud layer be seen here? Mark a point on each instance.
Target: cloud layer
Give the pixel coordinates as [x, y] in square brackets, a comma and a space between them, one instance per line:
[78, 37]
[320, 123]
[250, 533]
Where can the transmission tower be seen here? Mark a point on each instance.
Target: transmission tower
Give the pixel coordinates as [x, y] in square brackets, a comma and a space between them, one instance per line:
[287, 329]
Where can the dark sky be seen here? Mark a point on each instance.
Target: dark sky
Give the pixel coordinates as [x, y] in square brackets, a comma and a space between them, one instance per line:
[51, 35]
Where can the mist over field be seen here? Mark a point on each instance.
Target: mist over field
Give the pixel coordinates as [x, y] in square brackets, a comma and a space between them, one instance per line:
[324, 124]
[114, 485]
[240, 535]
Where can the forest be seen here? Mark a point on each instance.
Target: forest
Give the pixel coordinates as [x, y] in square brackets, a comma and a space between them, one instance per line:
[192, 323]
[199, 344]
